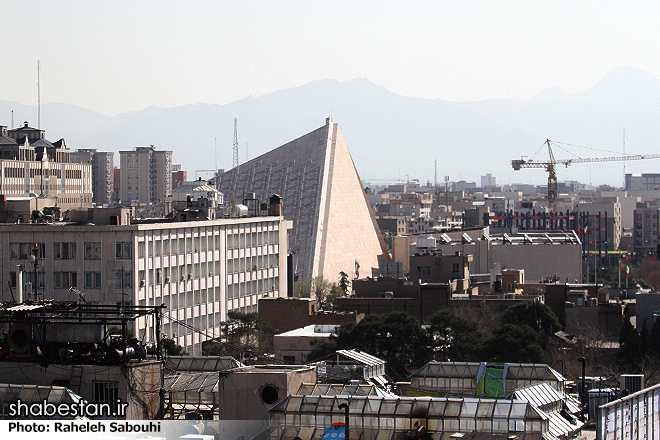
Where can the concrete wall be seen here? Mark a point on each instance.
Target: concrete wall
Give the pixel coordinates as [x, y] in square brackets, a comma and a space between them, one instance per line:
[241, 391]
[138, 383]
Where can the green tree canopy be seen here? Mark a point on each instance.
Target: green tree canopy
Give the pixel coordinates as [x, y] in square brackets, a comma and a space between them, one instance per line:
[455, 338]
[515, 343]
[398, 338]
[535, 315]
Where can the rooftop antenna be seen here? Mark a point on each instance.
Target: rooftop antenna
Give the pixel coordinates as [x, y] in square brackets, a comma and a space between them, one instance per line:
[235, 142]
[435, 177]
[38, 95]
[246, 152]
[12, 119]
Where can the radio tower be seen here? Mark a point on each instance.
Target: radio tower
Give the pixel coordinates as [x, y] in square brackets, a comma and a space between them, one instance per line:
[235, 142]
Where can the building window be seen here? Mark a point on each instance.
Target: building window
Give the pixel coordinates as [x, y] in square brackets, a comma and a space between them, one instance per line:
[64, 251]
[66, 280]
[92, 280]
[20, 251]
[125, 281]
[123, 251]
[455, 267]
[93, 251]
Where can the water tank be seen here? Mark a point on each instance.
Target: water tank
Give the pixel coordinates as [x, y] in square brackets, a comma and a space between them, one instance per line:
[241, 211]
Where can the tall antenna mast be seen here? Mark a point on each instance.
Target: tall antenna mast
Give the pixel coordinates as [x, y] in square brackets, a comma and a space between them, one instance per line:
[624, 160]
[215, 153]
[12, 119]
[38, 95]
[435, 177]
[235, 142]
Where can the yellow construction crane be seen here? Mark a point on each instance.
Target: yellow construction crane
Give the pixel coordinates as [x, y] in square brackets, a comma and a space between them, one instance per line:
[550, 167]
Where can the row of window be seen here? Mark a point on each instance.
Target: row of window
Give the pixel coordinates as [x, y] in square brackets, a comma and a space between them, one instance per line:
[66, 280]
[67, 251]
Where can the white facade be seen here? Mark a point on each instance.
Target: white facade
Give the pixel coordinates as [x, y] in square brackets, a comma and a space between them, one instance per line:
[333, 224]
[198, 270]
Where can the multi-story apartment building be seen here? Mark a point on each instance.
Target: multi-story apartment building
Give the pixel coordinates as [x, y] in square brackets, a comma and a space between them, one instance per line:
[646, 229]
[146, 176]
[102, 172]
[199, 270]
[30, 164]
[641, 182]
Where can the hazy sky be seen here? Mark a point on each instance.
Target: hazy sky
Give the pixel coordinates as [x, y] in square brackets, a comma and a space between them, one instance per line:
[117, 56]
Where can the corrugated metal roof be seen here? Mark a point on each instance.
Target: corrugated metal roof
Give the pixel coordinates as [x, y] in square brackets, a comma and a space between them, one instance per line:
[470, 369]
[198, 382]
[201, 363]
[361, 357]
[25, 307]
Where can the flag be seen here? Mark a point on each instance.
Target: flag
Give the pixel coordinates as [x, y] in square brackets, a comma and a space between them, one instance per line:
[357, 269]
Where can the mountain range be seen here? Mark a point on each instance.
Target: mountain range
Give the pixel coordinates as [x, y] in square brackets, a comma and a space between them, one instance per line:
[391, 137]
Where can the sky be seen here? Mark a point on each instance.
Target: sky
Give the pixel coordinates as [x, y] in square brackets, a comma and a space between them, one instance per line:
[119, 56]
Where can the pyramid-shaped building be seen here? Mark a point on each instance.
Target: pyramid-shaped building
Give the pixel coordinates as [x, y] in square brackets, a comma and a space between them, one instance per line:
[333, 225]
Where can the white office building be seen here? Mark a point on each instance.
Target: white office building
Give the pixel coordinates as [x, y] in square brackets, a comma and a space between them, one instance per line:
[199, 270]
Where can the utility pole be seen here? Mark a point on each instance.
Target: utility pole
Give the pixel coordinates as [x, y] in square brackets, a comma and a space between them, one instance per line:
[38, 95]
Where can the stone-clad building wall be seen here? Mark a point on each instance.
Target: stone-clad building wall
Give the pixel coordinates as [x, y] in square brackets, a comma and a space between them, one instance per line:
[333, 226]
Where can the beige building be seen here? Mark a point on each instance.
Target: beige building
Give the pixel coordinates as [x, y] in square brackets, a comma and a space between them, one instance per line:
[146, 176]
[199, 270]
[102, 163]
[30, 164]
[333, 225]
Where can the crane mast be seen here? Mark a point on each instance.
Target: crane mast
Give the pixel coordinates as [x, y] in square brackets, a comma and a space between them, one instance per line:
[550, 167]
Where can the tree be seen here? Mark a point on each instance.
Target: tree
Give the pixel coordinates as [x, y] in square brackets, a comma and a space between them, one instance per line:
[630, 345]
[649, 272]
[398, 338]
[515, 343]
[654, 339]
[344, 282]
[302, 289]
[455, 338]
[318, 288]
[242, 333]
[535, 315]
[171, 348]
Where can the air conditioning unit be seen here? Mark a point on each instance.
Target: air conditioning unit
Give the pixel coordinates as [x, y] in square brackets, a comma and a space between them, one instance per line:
[632, 382]
[142, 283]
[167, 279]
[190, 276]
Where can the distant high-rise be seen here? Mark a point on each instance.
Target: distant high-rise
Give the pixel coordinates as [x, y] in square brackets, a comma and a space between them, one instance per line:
[488, 181]
[102, 163]
[642, 182]
[146, 175]
[333, 225]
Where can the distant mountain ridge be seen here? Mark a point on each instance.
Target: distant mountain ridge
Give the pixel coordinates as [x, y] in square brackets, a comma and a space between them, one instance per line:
[390, 136]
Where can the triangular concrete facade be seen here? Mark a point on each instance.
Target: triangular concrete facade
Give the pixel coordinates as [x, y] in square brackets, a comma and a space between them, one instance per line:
[333, 226]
